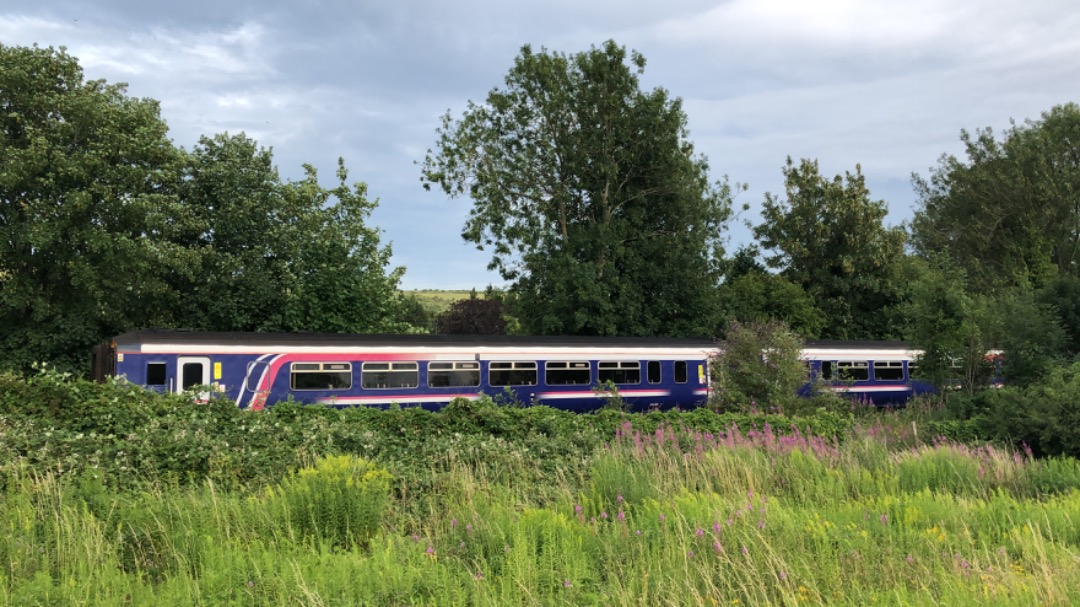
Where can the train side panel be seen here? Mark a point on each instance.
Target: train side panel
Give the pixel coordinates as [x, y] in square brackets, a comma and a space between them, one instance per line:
[566, 378]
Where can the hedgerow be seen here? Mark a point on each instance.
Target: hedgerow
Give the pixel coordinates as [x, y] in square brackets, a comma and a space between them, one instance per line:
[125, 434]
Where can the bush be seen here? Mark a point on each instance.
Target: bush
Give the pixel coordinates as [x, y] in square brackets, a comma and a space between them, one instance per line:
[1043, 417]
[758, 364]
[341, 501]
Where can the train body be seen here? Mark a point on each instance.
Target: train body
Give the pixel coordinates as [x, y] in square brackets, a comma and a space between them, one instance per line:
[574, 373]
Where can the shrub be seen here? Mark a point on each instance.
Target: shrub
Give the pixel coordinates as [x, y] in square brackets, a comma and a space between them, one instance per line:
[341, 501]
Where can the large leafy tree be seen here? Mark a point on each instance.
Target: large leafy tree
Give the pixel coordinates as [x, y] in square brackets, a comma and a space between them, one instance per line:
[1008, 213]
[106, 226]
[589, 195]
[828, 237]
[280, 256]
[86, 213]
[344, 280]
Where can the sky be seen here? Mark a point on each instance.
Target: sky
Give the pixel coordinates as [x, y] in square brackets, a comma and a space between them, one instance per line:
[887, 85]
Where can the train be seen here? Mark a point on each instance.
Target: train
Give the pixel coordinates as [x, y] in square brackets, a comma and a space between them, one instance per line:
[581, 374]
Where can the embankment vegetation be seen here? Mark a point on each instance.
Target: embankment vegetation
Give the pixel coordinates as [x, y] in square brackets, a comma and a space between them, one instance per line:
[115, 496]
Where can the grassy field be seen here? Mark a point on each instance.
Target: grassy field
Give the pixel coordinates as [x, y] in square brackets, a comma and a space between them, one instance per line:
[657, 516]
[436, 301]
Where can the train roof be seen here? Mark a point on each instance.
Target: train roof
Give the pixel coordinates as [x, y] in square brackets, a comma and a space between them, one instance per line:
[301, 339]
[189, 338]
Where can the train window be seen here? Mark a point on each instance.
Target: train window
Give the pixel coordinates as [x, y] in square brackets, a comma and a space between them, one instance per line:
[680, 371]
[912, 370]
[889, 370]
[619, 372]
[653, 371]
[567, 373]
[853, 370]
[155, 374]
[826, 369]
[512, 374]
[191, 374]
[386, 375]
[453, 374]
[320, 376]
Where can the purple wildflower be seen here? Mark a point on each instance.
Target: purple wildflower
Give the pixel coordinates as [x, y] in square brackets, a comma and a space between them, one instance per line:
[453, 522]
[566, 584]
[621, 515]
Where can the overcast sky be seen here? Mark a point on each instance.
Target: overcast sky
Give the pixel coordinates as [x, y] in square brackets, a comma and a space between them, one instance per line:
[885, 84]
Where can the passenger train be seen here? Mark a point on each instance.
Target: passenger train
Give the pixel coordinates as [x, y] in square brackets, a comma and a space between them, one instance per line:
[257, 370]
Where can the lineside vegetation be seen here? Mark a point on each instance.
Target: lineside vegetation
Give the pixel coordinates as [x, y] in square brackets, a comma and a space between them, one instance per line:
[114, 496]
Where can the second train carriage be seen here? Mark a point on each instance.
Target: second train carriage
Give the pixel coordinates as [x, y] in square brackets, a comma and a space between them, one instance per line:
[574, 373]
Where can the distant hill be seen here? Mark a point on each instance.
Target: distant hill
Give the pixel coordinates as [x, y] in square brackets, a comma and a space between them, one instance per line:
[436, 301]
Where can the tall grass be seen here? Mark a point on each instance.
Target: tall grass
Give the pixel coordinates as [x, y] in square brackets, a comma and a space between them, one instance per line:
[664, 516]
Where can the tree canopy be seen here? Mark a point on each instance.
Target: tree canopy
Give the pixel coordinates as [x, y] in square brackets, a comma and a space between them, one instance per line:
[589, 195]
[828, 236]
[1009, 214]
[106, 225]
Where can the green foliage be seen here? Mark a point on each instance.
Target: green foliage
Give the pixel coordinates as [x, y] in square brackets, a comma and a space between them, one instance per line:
[758, 365]
[106, 226]
[1043, 416]
[827, 236]
[1007, 212]
[341, 501]
[414, 314]
[513, 505]
[751, 294]
[1062, 295]
[1032, 338]
[277, 256]
[86, 210]
[953, 329]
[588, 194]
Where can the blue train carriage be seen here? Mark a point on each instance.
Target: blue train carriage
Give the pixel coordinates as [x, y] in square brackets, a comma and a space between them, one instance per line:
[259, 369]
[875, 372]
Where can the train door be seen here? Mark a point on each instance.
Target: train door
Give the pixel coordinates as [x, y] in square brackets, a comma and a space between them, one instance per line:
[193, 371]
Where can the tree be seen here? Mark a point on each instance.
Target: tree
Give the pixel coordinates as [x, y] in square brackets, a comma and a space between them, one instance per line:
[589, 196]
[86, 209]
[955, 330]
[280, 256]
[105, 226]
[1008, 214]
[473, 316]
[750, 293]
[344, 280]
[828, 236]
[758, 365]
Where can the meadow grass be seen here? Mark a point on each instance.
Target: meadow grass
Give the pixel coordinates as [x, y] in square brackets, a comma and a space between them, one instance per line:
[659, 517]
